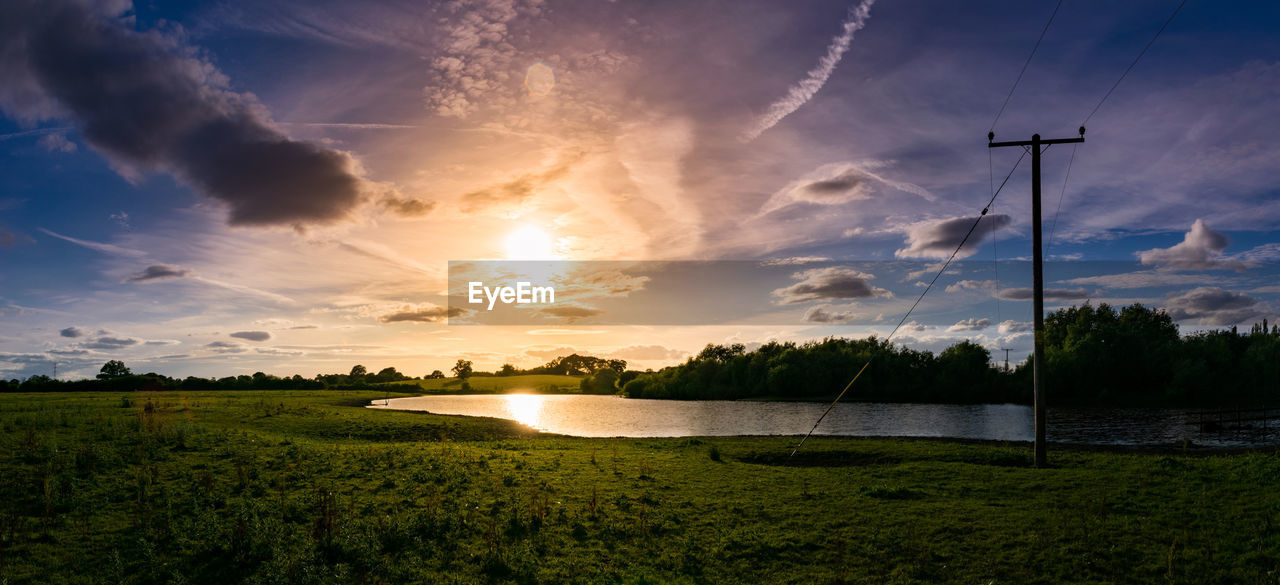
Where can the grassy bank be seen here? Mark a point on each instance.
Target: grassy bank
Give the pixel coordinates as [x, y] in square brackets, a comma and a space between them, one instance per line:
[536, 383]
[303, 487]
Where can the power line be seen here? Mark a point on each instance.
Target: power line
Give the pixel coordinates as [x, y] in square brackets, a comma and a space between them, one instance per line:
[1053, 228]
[915, 304]
[1024, 65]
[1135, 62]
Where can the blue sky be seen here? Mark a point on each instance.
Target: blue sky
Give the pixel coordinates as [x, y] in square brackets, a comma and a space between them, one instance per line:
[226, 187]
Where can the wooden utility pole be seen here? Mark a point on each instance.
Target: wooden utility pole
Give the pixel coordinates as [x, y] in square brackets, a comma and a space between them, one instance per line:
[1006, 357]
[1037, 271]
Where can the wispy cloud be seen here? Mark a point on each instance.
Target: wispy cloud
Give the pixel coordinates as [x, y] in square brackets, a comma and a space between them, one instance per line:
[803, 91]
[97, 246]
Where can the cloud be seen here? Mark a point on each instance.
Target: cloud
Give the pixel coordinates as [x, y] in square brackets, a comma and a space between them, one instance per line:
[1011, 326]
[915, 326]
[73, 332]
[159, 272]
[550, 353]
[803, 91]
[425, 313]
[569, 313]
[149, 103]
[970, 324]
[276, 351]
[648, 352]
[476, 60]
[97, 246]
[835, 282]
[56, 142]
[252, 335]
[516, 191]
[825, 314]
[1139, 279]
[225, 347]
[1050, 294]
[937, 239]
[964, 285]
[1200, 249]
[405, 207]
[1213, 306]
[838, 183]
[110, 343]
[794, 260]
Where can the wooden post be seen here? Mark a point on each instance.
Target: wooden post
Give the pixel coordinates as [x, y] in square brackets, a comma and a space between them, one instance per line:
[1037, 269]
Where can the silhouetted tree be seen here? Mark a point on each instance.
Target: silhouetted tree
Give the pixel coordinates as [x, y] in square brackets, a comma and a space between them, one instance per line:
[462, 370]
[113, 369]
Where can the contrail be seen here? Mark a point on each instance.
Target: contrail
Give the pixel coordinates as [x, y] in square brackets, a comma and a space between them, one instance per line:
[817, 77]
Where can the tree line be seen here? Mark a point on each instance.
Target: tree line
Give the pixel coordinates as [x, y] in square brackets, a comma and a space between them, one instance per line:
[1094, 356]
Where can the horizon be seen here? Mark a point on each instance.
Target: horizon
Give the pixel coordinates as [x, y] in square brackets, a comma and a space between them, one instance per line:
[346, 156]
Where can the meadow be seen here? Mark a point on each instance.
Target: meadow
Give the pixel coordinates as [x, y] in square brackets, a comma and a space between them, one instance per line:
[308, 487]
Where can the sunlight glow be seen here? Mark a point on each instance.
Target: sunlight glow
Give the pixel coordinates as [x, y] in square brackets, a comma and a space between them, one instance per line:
[525, 408]
[529, 243]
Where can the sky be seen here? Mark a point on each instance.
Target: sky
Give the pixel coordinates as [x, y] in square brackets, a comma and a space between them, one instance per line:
[219, 188]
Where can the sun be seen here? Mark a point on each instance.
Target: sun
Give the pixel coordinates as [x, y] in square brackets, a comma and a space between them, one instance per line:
[529, 243]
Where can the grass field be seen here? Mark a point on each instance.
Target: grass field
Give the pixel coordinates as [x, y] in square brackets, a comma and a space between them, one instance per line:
[540, 383]
[304, 487]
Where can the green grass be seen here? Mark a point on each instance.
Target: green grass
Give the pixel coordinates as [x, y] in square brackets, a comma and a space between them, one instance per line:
[540, 384]
[303, 487]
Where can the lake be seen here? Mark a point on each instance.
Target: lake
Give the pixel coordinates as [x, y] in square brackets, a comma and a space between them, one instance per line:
[613, 416]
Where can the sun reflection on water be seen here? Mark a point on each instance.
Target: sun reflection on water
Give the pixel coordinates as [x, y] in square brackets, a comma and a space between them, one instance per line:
[525, 408]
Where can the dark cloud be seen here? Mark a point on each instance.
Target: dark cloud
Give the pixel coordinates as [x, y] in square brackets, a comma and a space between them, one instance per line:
[150, 103]
[1050, 294]
[159, 272]
[1200, 249]
[429, 314]
[851, 184]
[73, 332]
[405, 207]
[109, 343]
[938, 239]
[225, 347]
[823, 314]
[252, 335]
[834, 282]
[1213, 306]
[570, 314]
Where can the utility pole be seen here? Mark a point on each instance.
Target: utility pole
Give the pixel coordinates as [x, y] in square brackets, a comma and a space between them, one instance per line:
[1037, 271]
[1006, 357]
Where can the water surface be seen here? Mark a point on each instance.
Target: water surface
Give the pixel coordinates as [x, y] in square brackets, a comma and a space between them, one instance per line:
[613, 416]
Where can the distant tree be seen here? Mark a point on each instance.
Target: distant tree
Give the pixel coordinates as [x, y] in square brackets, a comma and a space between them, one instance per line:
[508, 370]
[389, 375]
[113, 369]
[434, 375]
[462, 370]
[358, 371]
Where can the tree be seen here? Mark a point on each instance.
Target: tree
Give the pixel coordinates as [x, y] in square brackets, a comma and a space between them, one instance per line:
[389, 375]
[113, 369]
[434, 375]
[462, 369]
[508, 370]
[358, 371]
